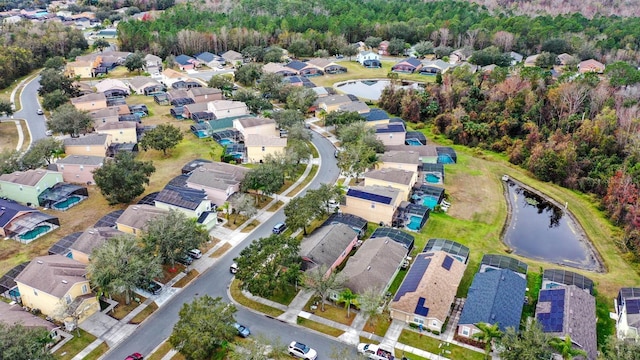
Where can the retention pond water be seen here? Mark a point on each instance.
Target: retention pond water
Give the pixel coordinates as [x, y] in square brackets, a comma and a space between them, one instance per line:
[540, 229]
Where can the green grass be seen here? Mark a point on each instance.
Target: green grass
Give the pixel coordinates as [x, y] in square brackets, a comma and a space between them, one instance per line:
[305, 182]
[237, 295]
[319, 327]
[357, 71]
[75, 345]
[429, 344]
[284, 296]
[97, 352]
[395, 284]
[145, 313]
[534, 283]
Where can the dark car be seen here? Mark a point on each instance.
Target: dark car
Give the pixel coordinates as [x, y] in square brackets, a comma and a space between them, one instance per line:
[134, 356]
[279, 228]
[152, 287]
[185, 260]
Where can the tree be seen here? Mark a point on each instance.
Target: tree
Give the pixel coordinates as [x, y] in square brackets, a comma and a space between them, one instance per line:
[323, 195]
[42, 152]
[56, 63]
[349, 50]
[222, 82]
[255, 53]
[369, 302]
[18, 342]
[226, 208]
[9, 161]
[169, 237]
[565, 348]
[270, 85]
[487, 334]
[372, 41]
[423, 48]
[300, 211]
[265, 179]
[134, 61]
[301, 98]
[205, 326]
[6, 108]
[546, 60]
[556, 46]
[122, 179]
[615, 349]
[339, 118]
[321, 283]
[261, 348]
[396, 46]
[285, 119]
[529, 343]
[243, 204]
[100, 44]
[269, 264]
[273, 54]
[321, 53]
[622, 74]
[356, 158]
[51, 79]
[254, 102]
[120, 266]
[162, 137]
[67, 119]
[54, 99]
[347, 297]
[247, 74]
[300, 48]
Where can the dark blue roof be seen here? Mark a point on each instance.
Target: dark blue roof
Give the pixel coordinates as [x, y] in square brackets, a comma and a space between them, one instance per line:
[297, 65]
[375, 114]
[206, 56]
[495, 297]
[554, 319]
[181, 196]
[369, 196]
[415, 274]
[9, 209]
[391, 128]
[184, 59]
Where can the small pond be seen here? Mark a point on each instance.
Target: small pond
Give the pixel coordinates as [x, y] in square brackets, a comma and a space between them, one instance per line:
[368, 89]
[540, 230]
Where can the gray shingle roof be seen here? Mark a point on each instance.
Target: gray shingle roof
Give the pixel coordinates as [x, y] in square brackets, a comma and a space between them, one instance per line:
[217, 175]
[89, 98]
[92, 139]
[401, 157]
[325, 245]
[397, 176]
[81, 160]
[373, 265]
[93, 238]
[136, 216]
[27, 178]
[53, 274]
[15, 314]
[495, 297]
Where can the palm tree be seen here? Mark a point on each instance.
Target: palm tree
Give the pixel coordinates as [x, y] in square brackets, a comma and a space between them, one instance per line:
[565, 348]
[487, 334]
[226, 208]
[347, 296]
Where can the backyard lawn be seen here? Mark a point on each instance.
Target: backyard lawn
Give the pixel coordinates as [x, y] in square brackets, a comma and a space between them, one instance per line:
[436, 346]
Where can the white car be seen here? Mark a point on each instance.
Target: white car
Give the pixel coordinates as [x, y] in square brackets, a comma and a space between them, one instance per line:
[302, 351]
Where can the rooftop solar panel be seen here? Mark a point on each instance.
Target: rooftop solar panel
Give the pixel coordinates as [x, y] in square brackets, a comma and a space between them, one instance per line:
[411, 281]
[447, 262]
[369, 196]
[420, 308]
[553, 320]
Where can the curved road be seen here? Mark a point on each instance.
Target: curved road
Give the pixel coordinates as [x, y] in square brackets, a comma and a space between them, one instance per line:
[215, 282]
[29, 103]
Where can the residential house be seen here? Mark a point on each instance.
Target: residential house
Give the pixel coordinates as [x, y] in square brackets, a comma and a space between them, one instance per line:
[192, 202]
[143, 85]
[211, 60]
[427, 292]
[90, 102]
[333, 102]
[83, 88]
[369, 59]
[327, 66]
[516, 58]
[92, 144]
[170, 76]
[25, 186]
[204, 94]
[427, 154]
[82, 68]
[112, 88]
[304, 69]
[401, 237]
[376, 117]
[249, 126]
[355, 106]
[404, 160]
[134, 219]
[531, 60]
[259, 146]
[432, 67]
[320, 91]
[78, 169]
[373, 267]
[14, 314]
[391, 133]
[356, 223]
[20, 222]
[374, 203]
[408, 65]
[91, 239]
[460, 55]
[219, 180]
[627, 315]
[186, 62]
[275, 68]
[187, 84]
[403, 180]
[383, 48]
[591, 66]
[120, 132]
[227, 108]
[327, 246]
[232, 57]
[565, 59]
[152, 64]
[568, 310]
[51, 282]
[491, 262]
[197, 108]
[495, 297]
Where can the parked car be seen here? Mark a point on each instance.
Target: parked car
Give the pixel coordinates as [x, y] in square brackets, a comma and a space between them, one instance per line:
[151, 287]
[302, 351]
[242, 330]
[48, 133]
[195, 253]
[233, 268]
[185, 260]
[134, 356]
[40, 112]
[376, 352]
[279, 228]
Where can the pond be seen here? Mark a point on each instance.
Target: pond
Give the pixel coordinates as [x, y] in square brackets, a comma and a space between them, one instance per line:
[538, 229]
[368, 89]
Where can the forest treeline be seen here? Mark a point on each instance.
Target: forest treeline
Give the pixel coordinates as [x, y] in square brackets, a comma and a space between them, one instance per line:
[25, 46]
[191, 28]
[588, 8]
[579, 131]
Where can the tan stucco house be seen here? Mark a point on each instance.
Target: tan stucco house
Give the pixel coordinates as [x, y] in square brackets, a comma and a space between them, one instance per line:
[403, 180]
[92, 144]
[219, 180]
[376, 204]
[134, 219]
[256, 126]
[91, 239]
[121, 132]
[403, 160]
[259, 146]
[90, 102]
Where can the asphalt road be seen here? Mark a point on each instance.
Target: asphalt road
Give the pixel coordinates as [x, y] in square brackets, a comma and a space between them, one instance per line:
[30, 105]
[215, 282]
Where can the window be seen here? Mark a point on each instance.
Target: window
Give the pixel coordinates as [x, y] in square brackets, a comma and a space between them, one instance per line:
[465, 331]
[373, 205]
[85, 288]
[263, 148]
[418, 320]
[35, 292]
[67, 298]
[434, 323]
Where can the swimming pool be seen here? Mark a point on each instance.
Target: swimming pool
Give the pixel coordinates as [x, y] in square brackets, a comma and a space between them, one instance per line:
[414, 223]
[430, 202]
[67, 203]
[225, 142]
[413, 142]
[432, 178]
[34, 233]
